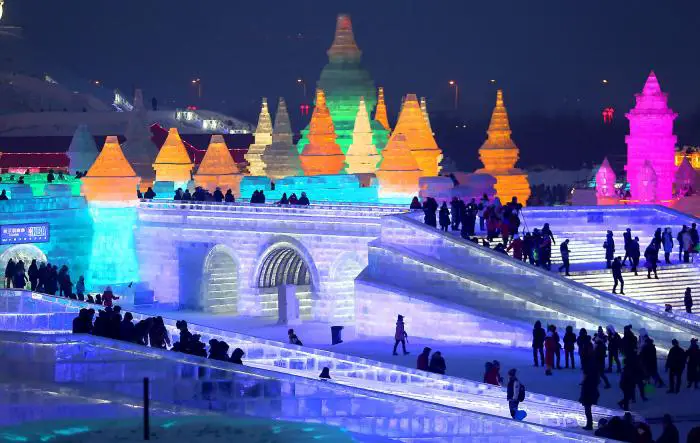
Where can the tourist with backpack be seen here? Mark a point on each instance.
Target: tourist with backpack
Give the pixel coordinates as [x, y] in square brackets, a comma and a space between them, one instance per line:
[515, 392]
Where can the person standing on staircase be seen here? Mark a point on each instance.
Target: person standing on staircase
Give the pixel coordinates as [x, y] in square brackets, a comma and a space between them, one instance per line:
[564, 249]
[609, 246]
[627, 236]
[651, 254]
[688, 301]
[675, 364]
[617, 276]
[444, 217]
[635, 254]
[685, 242]
[667, 240]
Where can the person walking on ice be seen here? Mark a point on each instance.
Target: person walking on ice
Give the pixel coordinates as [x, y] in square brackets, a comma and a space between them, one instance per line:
[400, 335]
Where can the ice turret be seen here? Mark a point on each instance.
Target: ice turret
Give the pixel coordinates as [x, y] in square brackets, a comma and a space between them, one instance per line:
[111, 178]
[362, 156]
[263, 139]
[281, 158]
[419, 137]
[398, 173]
[82, 151]
[217, 169]
[322, 155]
[173, 163]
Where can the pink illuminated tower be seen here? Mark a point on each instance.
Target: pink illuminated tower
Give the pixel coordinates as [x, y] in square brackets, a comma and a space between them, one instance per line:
[651, 139]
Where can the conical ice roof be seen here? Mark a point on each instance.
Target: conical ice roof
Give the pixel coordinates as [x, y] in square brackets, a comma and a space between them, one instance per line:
[344, 46]
[173, 151]
[321, 130]
[82, 151]
[263, 132]
[397, 155]
[217, 160]
[111, 161]
[282, 128]
[424, 110]
[651, 86]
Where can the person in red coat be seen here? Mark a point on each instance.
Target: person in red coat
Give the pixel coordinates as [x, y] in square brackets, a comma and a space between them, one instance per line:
[423, 359]
[517, 246]
[550, 348]
[108, 296]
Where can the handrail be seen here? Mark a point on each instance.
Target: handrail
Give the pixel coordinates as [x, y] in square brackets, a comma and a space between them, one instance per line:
[635, 307]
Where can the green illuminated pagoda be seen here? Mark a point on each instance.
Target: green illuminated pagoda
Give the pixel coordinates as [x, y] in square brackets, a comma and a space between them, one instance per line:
[344, 81]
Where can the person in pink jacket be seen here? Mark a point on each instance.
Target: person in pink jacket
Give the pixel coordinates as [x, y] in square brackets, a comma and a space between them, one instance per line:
[400, 335]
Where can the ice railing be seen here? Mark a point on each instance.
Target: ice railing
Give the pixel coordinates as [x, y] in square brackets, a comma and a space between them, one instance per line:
[335, 209]
[223, 387]
[278, 356]
[672, 319]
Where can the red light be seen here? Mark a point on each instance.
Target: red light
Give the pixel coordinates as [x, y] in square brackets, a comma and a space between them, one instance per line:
[608, 114]
[304, 109]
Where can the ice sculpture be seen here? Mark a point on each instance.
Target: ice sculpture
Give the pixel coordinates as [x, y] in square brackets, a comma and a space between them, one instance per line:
[281, 158]
[217, 169]
[499, 155]
[380, 115]
[419, 137]
[111, 177]
[424, 110]
[648, 183]
[685, 177]
[344, 81]
[82, 151]
[605, 181]
[139, 148]
[263, 139]
[362, 156]
[322, 155]
[173, 163]
[398, 173]
[651, 139]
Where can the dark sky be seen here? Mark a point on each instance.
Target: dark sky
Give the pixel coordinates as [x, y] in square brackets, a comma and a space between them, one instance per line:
[548, 55]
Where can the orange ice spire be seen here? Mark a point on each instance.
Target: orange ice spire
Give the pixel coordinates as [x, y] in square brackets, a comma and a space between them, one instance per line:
[419, 137]
[499, 155]
[398, 172]
[173, 162]
[111, 177]
[322, 155]
[380, 115]
[217, 168]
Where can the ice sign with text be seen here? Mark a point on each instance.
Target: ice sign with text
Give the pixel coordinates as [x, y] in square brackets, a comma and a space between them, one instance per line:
[26, 233]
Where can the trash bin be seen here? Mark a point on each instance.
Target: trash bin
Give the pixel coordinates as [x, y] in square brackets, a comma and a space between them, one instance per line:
[336, 334]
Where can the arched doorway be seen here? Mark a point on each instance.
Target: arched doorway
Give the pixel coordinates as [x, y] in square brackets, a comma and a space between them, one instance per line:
[284, 263]
[26, 253]
[220, 281]
[283, 266]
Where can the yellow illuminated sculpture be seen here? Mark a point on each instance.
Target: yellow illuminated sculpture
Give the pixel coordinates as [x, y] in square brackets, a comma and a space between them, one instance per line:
[322, 155]
[218, 169]
[380, 115]
[499, 155]
[111, 177]
[398, 173]
[424, 110]
[419, 137]
[173, 163]
[362, 156]
[263, 139]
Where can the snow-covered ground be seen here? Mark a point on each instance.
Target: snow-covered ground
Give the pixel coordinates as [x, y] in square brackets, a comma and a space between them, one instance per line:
[465, 362]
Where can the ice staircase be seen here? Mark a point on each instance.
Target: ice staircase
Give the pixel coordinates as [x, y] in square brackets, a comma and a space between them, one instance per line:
[668, 289]
[101, 365]
[412, 256]
[356, 372]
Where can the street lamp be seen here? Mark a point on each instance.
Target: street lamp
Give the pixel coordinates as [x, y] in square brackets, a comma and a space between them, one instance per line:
[303, 84]
[198, 83]
[456, 86]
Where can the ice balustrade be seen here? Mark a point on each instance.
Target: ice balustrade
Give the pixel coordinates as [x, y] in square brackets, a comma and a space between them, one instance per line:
[369, 374]
[195, 382]
[476, 262]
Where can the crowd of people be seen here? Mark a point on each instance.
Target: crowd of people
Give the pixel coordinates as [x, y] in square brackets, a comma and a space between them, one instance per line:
[200, 194]
[43, 277]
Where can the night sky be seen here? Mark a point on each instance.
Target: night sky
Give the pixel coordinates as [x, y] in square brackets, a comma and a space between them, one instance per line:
[549, 56]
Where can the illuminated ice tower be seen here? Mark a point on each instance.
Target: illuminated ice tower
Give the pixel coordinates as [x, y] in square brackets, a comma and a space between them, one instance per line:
[419, 138]
[82, 151]
[362, 156]
[398, 173]
[217, 169]
[281, 158]
[322, 155]
[380, 115]
[110, 189]
[499, 155]
[651, 139]
[263, 139]
[173, 163]
[344, 81]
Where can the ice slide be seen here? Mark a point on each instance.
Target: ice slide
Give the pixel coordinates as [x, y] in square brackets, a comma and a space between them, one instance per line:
[25, 311]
